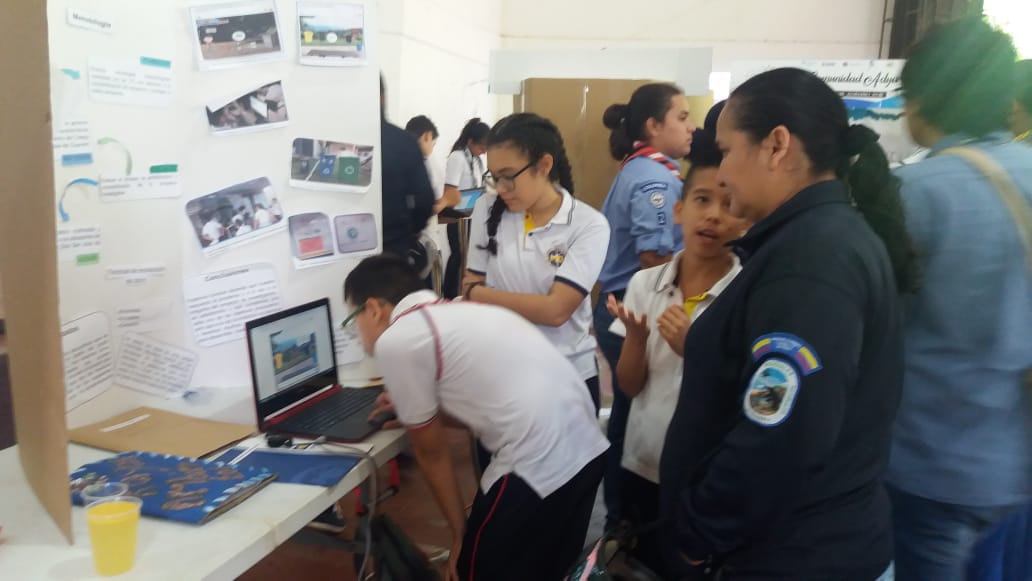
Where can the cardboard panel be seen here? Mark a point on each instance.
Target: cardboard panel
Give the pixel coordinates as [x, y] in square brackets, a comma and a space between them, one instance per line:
[28, 259]
[576, 107]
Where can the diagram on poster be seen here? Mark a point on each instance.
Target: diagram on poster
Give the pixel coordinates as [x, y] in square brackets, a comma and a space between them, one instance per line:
[235, 33]
[316, 240]
[79, 244]
[331, 166]
[154, 367]
[73, 138]
[144, 81]
[121, 181]
[256, 110]
[220, 303]
[88, 361]
[332, 33]
[235, 215]
[143, 316]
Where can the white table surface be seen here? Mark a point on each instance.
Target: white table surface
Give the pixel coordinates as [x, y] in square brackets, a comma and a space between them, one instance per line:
[32, 548]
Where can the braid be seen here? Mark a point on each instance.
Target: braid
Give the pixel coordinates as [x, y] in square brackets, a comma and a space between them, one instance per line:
[535, 136]
[562, 170]
[494, 217]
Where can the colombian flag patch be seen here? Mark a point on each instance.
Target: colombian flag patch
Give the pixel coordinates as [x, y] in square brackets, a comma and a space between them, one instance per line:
[789, 346]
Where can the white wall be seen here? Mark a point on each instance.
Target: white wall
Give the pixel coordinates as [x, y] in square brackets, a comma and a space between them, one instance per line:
[736, 29]
[435, 62]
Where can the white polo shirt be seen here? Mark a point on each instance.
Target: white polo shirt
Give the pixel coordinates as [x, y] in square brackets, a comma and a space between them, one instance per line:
[652, 291]
[490, 369]
[571, 248]
[463, 170]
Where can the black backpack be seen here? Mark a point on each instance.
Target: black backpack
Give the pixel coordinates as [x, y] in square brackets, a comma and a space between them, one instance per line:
[397, 557]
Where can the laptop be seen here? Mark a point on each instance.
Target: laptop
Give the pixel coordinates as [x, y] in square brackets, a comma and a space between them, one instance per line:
[294, 377]
[468, 199]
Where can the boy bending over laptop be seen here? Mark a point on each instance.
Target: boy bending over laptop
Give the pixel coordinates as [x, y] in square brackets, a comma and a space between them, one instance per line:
[493, 372]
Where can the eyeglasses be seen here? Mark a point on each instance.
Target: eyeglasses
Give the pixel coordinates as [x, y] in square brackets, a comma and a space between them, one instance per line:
[504, 183]
[345, 326]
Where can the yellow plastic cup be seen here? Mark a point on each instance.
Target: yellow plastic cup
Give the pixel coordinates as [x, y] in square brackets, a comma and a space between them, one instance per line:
[113, 523]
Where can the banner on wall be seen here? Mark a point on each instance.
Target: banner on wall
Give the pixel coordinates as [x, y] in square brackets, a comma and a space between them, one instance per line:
[871, 90]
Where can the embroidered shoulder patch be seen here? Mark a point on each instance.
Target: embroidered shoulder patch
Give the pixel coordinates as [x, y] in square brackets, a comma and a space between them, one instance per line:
[772, 392]
[657, 199]
[556, 256]
[791, 347]
[649, 187]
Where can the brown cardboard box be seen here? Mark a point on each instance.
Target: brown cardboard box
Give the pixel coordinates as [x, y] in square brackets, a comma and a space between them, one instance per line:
[576, 107]
[28, 258]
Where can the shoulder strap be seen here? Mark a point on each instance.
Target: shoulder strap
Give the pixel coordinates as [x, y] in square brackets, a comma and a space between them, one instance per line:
[1010, 195]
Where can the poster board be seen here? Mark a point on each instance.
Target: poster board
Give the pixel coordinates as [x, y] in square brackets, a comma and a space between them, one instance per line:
[871, 89]
[194, 143]
[28, 262]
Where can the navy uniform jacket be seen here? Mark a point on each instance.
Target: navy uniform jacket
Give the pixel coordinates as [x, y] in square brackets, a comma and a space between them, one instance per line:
[773, 461]
[408, 197]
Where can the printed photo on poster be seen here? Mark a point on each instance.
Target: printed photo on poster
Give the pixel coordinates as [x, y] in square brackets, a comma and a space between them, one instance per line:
[331, 166]
[235, 33]
[311, 236]
[316, 239]
[332, 34]
[257, 110]
[240, 213]
[356, 233]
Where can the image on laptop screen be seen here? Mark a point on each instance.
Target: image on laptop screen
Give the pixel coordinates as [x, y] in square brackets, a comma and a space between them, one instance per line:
[469, 199]
[288, 350]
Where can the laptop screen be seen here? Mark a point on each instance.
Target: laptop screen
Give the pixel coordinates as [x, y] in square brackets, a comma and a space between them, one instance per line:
[469, 199]
[292, 355]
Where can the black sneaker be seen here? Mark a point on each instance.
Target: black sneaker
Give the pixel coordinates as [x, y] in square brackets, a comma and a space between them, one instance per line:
[329, 522]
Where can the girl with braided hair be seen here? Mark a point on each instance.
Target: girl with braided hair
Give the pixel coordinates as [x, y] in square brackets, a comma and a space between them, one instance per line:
[534, 248]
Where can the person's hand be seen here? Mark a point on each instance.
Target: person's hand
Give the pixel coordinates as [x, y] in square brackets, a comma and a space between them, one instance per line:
[673, 327]
[638, 327]
[452, 574]
[384, 405]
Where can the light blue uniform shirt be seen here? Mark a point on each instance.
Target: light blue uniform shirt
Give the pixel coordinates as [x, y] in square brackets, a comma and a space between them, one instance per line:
[962, 432]
[640, 210]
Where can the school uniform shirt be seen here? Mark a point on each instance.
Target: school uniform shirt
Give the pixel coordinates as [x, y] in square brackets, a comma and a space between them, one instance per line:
[569, 249]
[212, 231]
[437, 183]
[491, 370]
[262, 218]
[651, 292]
[463, 170]
[640, 210]
[968, 332]
[774, 457]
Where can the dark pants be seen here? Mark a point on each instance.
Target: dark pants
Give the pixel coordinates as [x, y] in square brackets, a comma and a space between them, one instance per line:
[610, 345]
[1006, 554]
[452, 277]
[514, 534]
[936, 540]
[641, 508]
[593, 390]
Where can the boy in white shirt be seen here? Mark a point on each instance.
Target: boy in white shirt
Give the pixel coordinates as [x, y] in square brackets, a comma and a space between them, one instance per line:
[488, 369]
[660, 304]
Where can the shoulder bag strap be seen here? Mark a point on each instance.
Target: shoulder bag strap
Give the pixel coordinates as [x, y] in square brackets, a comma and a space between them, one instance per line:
[1010, 195]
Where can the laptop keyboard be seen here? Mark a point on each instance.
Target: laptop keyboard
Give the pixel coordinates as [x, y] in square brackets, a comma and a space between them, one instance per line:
[334, 410]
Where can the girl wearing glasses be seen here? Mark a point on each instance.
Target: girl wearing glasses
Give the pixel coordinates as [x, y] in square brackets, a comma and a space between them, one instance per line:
[534, 248]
